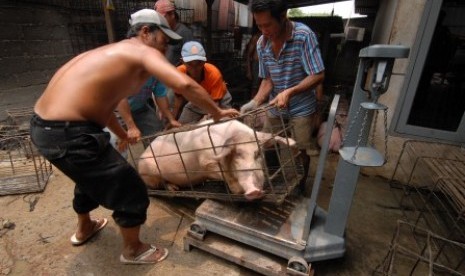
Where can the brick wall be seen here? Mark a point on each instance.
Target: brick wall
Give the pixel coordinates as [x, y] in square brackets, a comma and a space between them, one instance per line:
[34, 42]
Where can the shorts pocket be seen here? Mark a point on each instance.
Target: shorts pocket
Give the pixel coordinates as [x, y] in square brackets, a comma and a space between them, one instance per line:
[53, 153]
[88, 147]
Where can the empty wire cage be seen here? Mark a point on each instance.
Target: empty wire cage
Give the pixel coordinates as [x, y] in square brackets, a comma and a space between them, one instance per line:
[279, 162]
[22, 168]
[429, 182]
[20, 117]
[418, 251]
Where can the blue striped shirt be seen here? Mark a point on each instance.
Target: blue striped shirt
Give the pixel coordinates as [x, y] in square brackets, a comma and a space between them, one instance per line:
[299, 58]
[152, 86]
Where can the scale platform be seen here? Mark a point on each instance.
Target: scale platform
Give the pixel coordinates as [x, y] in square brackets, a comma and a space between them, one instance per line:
[241, 254]
[274, 229]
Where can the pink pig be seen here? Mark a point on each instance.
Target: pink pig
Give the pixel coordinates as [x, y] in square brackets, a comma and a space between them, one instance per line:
[235, 148]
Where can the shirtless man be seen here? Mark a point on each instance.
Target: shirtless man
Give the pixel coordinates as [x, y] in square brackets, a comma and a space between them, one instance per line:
[79, 102]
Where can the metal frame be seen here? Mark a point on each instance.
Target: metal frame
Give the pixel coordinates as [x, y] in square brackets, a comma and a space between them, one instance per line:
[413, 74]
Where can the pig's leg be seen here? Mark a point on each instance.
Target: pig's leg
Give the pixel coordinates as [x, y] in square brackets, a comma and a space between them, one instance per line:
[152, 181]
[155, 182]
[171, 187]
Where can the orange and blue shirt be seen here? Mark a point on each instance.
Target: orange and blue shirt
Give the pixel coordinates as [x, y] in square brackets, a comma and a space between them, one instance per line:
[212, 81]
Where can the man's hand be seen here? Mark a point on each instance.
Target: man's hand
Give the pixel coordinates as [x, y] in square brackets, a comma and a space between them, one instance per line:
[172, 124]
[133, 135]
[281, 100]
[249, 106]
[231, 113]
[122, 145]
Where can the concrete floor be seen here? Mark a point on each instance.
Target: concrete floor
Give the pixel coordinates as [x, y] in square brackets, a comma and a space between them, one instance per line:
[39, 241]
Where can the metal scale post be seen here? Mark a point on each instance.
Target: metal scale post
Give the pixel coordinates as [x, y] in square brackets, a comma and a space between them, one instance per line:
[298, 230]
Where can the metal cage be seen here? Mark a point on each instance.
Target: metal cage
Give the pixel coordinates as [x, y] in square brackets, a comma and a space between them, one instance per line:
[281, 165]
[22, 168]
[429, 178]
[417, 251]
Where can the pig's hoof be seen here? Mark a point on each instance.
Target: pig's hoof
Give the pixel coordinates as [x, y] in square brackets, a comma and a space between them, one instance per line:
[172, 187]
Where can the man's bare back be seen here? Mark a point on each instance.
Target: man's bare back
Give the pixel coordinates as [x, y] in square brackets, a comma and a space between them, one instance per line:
[89, 87]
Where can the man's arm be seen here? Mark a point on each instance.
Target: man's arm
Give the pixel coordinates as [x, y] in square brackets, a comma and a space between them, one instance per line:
[114, 126]
[319, 92]
[164, 106]
[262, 96]
[124, 110]
[179, 102]
[263, 91]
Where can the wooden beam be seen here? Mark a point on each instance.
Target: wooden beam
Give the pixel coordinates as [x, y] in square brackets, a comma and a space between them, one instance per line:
[209, 27]
[107, 10]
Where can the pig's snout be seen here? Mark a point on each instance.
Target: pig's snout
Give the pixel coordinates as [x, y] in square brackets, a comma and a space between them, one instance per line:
[253, 185]
[254, 193]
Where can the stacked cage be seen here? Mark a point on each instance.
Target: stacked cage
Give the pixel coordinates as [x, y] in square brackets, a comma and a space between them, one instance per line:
[418, 251]
[429, 183]
[22, 168]
[431, 178]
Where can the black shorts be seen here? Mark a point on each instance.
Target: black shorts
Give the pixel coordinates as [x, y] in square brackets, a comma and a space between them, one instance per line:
[82, 151]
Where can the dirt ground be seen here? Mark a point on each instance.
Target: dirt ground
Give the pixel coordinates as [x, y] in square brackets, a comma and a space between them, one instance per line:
[36, 240]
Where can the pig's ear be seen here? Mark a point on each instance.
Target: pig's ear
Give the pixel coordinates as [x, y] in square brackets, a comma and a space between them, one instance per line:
[285, 141]
[267, 140]
[222, 152]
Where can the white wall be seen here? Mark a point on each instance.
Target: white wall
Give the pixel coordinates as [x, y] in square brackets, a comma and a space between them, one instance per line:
[396, 23]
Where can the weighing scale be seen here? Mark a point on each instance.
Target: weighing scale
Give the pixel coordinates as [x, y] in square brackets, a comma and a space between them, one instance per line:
[256, 235]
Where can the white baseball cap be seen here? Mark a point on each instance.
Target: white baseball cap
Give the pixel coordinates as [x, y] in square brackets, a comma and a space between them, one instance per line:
[192, 50]
[151, 16]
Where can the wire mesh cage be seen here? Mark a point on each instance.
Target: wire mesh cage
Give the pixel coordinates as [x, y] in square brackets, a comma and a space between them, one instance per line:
[430, 182]
[274, 159]
[417, 251]
[20, 117]
[22, 168]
